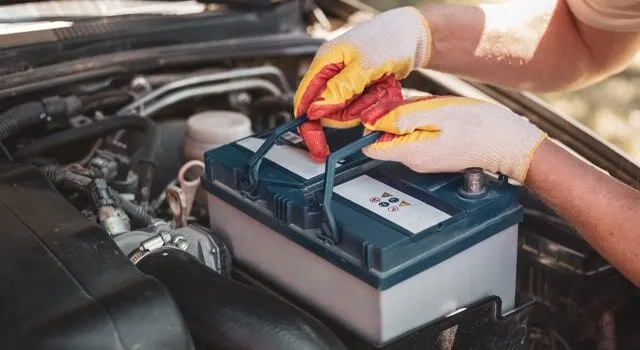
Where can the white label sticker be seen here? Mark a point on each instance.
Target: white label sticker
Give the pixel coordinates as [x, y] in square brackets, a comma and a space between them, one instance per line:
[396, 206]
[293, 159]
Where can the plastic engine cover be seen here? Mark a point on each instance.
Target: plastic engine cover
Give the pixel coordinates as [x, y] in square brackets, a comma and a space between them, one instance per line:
[66, 283]
[385, 250]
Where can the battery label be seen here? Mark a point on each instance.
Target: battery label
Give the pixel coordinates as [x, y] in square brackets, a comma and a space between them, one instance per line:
[396, 206]
[292, 137]
[291, 158]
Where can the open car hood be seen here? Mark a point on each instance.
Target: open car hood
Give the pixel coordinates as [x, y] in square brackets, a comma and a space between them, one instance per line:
[79, 158]
[132, 26]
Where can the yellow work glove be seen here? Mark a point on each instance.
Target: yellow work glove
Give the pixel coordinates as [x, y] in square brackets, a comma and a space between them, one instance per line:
[386, 48]
[450, 134]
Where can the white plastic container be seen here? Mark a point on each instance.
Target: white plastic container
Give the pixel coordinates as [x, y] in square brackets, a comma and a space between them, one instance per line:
[210, 129]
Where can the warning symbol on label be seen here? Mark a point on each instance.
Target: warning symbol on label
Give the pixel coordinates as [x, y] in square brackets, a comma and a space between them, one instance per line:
[384, 204]
[386, 194]
[393, 200]
[404, 204]
[393, 208]
[374, 199]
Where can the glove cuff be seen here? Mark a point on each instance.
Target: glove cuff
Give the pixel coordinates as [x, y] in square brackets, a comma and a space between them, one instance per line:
[520, 172]
[424, 42]
[517, 154]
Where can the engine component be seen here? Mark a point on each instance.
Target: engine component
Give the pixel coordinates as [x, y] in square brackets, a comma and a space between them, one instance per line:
[138, 243]
[177, 201]
[93, 293]
[210, 129]
[148, 148]
[138, 215]
[239, 81]
[203, 244]
[367, 254]
[31, 113]
[100, 102]
[215, 89]
[112, 218]
[227, 315]
[105, 165]
[196, 240]
[115, 213]
[181, 198]
[113, 164]
[65, 178]
[142, 104]
[240, 101]
[189, 180]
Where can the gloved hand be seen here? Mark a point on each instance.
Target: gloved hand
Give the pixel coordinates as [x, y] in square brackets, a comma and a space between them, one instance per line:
[450, 134]
[385, 48]
[375, 99]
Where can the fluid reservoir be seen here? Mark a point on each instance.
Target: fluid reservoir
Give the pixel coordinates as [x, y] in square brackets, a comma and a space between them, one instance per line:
[210, 129]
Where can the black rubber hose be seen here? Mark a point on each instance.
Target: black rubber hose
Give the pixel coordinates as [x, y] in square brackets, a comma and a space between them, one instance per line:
[17, 118]
[106, 100]
[224, 314]
[137, 214]
[127, 122]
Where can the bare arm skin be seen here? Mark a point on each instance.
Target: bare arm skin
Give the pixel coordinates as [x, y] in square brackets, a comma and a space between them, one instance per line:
[603, 209]
[537, 45]
[532, 45]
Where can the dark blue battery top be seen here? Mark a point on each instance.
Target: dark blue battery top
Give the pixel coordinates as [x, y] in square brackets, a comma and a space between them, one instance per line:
[392, 222]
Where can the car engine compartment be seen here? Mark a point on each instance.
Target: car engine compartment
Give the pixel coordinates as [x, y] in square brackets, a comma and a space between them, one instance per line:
[108, 241]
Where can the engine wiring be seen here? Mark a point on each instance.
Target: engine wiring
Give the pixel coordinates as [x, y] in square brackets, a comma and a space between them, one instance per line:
[78, 143]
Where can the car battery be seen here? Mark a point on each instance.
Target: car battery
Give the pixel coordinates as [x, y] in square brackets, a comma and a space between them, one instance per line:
[375, 246]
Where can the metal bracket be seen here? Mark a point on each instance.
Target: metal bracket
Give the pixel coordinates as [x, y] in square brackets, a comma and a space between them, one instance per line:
[330, 227]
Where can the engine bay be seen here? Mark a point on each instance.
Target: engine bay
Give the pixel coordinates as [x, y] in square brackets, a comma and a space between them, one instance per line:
[111, 239]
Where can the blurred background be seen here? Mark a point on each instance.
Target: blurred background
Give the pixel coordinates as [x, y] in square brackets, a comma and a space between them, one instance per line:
[610, 108]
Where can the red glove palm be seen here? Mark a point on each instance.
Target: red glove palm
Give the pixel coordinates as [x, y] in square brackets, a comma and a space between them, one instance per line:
[375, 101]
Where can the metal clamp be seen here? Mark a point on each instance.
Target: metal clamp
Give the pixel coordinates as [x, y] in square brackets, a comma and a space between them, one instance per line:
[330, 227]
[250, 183]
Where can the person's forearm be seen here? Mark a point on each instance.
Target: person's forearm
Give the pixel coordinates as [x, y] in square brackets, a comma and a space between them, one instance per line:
[533, 45]
[603, 209]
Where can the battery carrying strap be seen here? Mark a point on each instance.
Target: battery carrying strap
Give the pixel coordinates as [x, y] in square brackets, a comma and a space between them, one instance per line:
[329, 226]
[249, 182]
